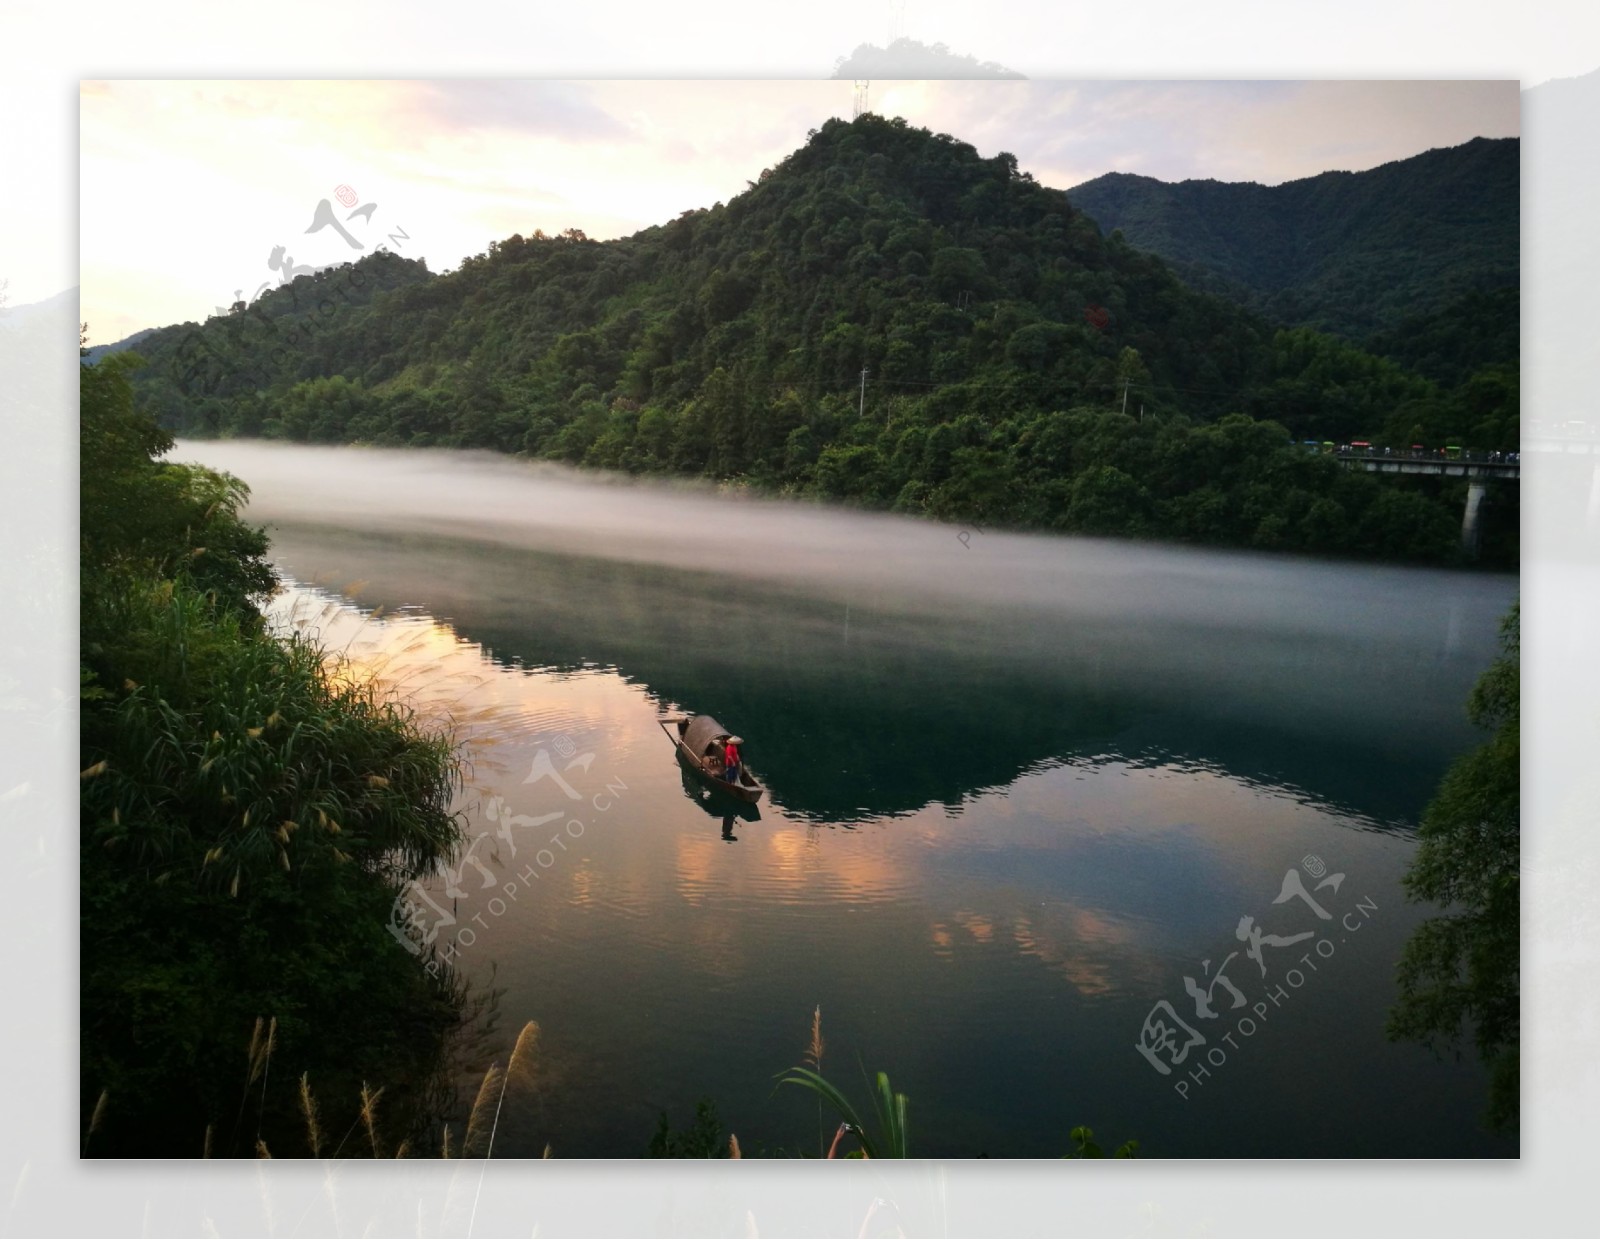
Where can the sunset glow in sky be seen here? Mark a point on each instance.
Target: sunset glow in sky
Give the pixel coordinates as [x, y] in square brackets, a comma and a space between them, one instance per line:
[188, 187]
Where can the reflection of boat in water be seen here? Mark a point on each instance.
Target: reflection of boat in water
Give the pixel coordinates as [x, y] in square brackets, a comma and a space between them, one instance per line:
[714, 801]
[700, 740]
[728, 809]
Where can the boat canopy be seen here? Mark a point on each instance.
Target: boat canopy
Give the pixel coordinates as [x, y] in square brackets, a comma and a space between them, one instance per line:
[703, 731]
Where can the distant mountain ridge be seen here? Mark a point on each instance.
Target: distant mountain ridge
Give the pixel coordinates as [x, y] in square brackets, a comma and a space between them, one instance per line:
[96, 352]
[1354, 253]
[57, 306]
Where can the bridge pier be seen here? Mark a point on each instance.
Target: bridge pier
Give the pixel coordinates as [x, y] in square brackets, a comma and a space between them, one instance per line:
[1469, 517]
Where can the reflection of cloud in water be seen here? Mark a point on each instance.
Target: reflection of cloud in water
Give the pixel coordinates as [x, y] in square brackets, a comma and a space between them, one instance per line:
[1079, 943]
[1094, 951]
[500, 714]
[781, 863]
[979, 927]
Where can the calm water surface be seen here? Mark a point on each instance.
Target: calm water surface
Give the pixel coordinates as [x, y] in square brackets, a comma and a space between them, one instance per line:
[1021, 787]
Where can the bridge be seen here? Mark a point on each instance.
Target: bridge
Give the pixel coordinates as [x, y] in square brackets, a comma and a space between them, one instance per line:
[1500, 467]
[1479, 468]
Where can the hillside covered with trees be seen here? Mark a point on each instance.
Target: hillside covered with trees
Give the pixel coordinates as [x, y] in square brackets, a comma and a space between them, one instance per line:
[1355, 253]
[250, 814]
[884, 317]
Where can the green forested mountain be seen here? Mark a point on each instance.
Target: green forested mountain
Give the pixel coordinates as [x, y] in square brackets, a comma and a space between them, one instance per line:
[1019, 366]
[1476, 330]
[1348, 252]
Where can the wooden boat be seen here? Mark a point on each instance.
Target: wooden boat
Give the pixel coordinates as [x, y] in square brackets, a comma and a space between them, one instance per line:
[700, 740]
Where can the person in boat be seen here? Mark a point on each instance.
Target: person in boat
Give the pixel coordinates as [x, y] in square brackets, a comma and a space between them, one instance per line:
[730, 760]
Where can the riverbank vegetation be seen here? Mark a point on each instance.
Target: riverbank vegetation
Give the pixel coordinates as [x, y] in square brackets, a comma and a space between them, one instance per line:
[884, 317]
[249, 814]
[1460, 977]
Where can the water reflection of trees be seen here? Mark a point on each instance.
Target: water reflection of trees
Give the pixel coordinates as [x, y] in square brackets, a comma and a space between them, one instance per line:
[884, 710]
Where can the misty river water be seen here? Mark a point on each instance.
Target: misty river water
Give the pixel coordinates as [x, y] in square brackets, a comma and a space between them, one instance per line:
[1021, 788]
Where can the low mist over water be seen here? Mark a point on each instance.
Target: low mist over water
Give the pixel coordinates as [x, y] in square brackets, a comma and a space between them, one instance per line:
[890, 559]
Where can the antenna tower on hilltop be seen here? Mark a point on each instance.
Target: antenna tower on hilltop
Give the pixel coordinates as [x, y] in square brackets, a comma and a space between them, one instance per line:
[897, 22]
[861, 100]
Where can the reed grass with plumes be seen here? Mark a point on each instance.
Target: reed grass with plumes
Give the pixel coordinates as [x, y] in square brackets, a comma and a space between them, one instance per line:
[369, 1118]
[814, 1049]
[812, 1055]
[95, 1118]
[476, 1142]
[308, 1109]
[520, 1067]
[232, 756]
[891, 1139]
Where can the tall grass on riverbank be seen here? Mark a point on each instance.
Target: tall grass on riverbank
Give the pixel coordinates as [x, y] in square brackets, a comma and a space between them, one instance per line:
[248, 817]
[220, 754]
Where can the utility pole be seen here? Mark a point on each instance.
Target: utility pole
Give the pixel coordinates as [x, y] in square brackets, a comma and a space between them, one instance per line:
[1125, 385]
[861, 409]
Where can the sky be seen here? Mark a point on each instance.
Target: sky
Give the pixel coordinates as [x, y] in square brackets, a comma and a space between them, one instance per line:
[187, 188]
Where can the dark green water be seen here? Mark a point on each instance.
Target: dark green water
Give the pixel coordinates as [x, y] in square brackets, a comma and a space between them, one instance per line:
[1014, 801]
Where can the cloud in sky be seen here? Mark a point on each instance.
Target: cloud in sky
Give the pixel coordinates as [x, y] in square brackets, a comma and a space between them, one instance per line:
[560, 109]
[188, 186]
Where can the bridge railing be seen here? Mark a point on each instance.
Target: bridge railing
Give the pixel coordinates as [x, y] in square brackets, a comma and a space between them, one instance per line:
[1438, 456]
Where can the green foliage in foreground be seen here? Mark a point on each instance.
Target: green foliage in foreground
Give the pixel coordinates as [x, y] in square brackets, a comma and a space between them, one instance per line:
[1461, 971]
[1085, 1146]
[247, 817]
[890, 1140]
[889, 1137]
[704, 1138]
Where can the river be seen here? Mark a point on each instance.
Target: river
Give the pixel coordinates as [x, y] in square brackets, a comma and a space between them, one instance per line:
[1021, 788]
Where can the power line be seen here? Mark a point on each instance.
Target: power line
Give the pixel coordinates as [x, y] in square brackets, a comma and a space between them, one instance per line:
[860, 100]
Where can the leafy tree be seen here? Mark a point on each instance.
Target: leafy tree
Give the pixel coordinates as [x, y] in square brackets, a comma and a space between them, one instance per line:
[1460, 973]
[1107, 501]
